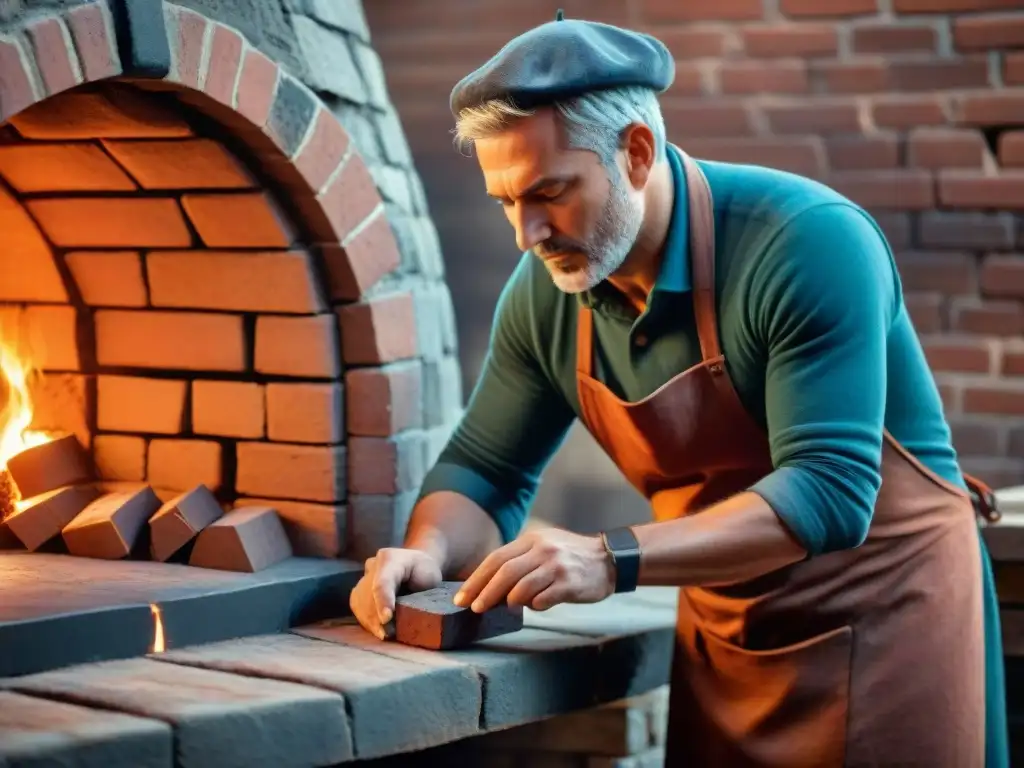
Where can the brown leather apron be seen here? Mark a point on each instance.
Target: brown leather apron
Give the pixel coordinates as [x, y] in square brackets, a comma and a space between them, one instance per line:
[866, 657]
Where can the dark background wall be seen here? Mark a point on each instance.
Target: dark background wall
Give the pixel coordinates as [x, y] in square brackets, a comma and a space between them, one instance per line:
[914, 108]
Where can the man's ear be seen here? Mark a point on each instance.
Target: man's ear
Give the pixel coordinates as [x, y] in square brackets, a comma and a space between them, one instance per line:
[640, 153]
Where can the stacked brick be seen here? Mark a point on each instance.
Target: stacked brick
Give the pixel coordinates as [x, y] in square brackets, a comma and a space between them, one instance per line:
[252, 302]
[914, 108]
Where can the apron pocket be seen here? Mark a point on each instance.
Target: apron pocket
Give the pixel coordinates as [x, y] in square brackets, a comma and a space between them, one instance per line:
[780, 707]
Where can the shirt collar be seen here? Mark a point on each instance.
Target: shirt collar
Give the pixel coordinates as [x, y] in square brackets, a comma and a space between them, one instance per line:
[674, 276]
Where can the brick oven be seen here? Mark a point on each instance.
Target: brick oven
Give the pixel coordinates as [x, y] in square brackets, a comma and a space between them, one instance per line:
[220, 290]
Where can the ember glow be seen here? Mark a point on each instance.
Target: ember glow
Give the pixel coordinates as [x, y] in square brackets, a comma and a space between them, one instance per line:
[158, 629]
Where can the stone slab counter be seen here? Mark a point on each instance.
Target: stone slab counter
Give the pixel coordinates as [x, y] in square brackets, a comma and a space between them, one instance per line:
[330, 693]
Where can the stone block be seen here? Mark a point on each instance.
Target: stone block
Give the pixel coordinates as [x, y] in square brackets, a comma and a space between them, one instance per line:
[298, 346]
[245, 540]
[26, 261]
[195, 341]
[50, 465]
[246, 220]
[346, 15]
[109, 278]
[180, 520]
[120, 457]
[376, 522]
[315, 530]
[136, 404]
[109, 527]
[112, 114]
[40, 732]
[61, 168]
[220, 720]
[429, 619]
[372, 69]
[305, 413]
[442, 391]
[360, 125]
[386, 465]
[181, 464]
[384, 401]
[112, 222]
[292, 112]
[392, 137]
[288, 471]
[393, 185]
[395, 706]
[228, 408]
[40, 518]
[181, 164]
[331, 67]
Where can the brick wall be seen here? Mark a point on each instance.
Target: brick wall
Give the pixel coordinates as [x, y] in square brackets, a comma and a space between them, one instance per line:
[914, 108]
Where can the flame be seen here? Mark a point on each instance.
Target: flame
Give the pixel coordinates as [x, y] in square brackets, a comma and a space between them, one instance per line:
[16, 406]
[158, 629]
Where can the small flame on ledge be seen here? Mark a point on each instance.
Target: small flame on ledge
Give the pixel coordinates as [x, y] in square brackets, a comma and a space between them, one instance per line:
[158, 629]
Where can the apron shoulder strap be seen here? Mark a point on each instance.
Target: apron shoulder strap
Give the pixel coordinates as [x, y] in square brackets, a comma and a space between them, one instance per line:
[702, 257]
[584, 341]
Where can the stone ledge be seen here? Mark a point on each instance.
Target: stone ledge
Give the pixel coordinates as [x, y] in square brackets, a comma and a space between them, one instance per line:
[331, 692]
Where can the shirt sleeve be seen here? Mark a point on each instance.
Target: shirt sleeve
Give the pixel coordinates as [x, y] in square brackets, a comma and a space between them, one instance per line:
[514, 422]
[830, 294]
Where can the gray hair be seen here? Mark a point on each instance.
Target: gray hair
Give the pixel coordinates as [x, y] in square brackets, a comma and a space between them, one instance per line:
[593, 121]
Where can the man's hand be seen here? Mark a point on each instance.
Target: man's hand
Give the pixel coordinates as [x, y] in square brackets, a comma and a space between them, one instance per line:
[540, 569]
[373, 599]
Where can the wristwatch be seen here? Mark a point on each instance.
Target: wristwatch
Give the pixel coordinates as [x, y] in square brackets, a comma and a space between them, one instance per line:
[624, 549]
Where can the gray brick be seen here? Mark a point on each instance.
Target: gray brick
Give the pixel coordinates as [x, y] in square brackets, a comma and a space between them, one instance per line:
[396, 145]
[434, 320]
[431, 259]
[394, 705]
[419, 194]
[39, 732]
[362, 130]
[393, 185]
[292, 112]
[329, 61]
[956, 230]
[406, 231]
[370, 65]
[442, 391]
[346, 15]
[377, 521]
[220, 720]
[437, 439]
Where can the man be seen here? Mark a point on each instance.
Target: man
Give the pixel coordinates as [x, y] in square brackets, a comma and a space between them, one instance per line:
[735, 338]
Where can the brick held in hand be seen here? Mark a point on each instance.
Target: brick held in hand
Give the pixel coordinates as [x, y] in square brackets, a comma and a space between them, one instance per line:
[430, 619]
[49, 466]
[42, 517]
[247, 539]
[110, 526]
[180, 520]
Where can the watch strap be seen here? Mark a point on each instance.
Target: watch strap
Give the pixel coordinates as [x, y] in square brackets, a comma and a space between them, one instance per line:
[624, 549]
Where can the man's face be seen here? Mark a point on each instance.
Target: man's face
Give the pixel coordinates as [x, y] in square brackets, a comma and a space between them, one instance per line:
[579, 218]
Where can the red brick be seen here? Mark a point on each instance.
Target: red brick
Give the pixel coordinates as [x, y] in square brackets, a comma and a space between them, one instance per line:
[763, 77]
[969, 189]
[112, 222]
[194, 341]
[55, 56]
[315, 530]
[701, 10]
[946, 273]
[120, 457]
[181, 465]
[978, 33]
[798, 154]
[248, 220]
[381, 330]
[1013, 68]
[814, 117]
[926, 310]
[188, 60]
[990, 108]
[953, 6]
[801, 8]
[228, 408]
[242, 281]
[257, 85]
[853, 153]
[385, 465]
[684, 42]
[986, 318]
[225, 59]
[951, 74]
[16, 90]
[895, 226]
[695, 118]
[111, 114]
[689, 80]
[1013, 361]
[184, 164]
[26, 261]
[852, 76]
[92, 30]
[322, 153]
[891, 38]
[938, 148]
[1011, 148]
[298, 346]
[959, 355]
[61, 168]
[1003, 275]
[1005, 398]
[975, 438]
[909, 111]
[798, 39]
[902, 190]
[350, 198]
[135, 404]
[285, 471]
[45, 333]
[305, 413]
[383, 401]
[951, 394]
[968, 230]
[108, 278]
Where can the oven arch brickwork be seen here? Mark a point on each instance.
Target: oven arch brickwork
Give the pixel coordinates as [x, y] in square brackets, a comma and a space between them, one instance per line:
[230, 275]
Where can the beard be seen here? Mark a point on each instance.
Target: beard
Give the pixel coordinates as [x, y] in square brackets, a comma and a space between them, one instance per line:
[585, 264]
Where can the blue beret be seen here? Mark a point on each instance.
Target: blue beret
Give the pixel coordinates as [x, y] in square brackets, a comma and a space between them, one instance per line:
[563, 59]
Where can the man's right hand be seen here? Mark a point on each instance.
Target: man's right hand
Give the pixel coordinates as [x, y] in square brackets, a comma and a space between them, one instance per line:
[373, 599]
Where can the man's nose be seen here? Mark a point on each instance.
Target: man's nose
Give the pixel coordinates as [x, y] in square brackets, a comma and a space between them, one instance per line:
[531, 225]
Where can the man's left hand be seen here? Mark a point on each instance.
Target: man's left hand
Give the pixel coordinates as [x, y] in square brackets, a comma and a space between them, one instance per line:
[540, 569]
